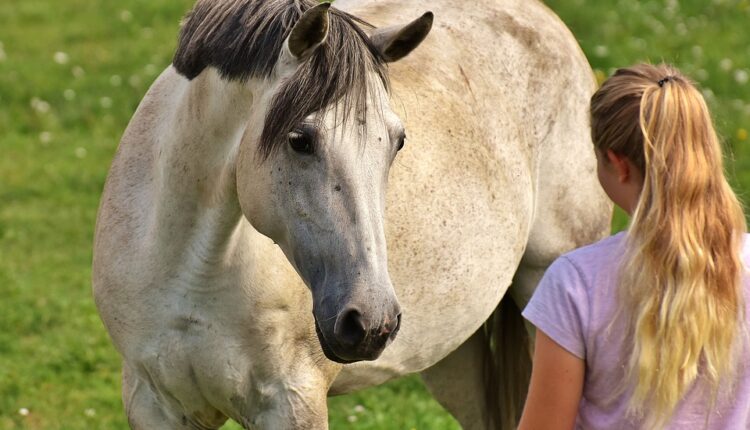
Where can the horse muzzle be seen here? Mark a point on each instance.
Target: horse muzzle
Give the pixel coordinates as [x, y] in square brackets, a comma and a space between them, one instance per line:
[357, 336]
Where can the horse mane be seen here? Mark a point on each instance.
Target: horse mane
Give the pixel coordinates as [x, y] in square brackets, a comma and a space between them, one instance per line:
[242, 39]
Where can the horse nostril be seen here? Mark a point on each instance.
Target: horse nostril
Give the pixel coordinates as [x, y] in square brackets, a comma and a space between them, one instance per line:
[398, 326]
[350, 329]
[389, 329]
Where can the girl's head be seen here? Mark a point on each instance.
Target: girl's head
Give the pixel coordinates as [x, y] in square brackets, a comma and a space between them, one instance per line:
[680, 278]
[656, 118]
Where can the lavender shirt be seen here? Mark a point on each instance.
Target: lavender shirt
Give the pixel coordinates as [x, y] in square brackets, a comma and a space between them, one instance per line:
[575, 304]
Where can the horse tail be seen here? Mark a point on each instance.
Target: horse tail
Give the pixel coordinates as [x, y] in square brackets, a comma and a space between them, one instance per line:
[506, 365]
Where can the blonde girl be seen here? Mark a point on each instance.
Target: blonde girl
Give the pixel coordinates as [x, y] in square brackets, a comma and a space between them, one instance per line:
[646, 329]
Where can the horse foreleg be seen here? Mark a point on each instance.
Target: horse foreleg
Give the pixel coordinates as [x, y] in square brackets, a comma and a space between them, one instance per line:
[294, 400]
[146, 412]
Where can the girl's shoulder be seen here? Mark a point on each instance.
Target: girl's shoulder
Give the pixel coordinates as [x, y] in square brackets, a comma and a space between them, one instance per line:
[601, 260]
[604, 255]
[609, 244]
[572, 293]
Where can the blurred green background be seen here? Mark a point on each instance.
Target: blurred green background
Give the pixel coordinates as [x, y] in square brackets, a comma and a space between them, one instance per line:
[71, 74]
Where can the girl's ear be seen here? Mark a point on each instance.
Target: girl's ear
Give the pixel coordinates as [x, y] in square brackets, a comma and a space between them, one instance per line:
[622, 165]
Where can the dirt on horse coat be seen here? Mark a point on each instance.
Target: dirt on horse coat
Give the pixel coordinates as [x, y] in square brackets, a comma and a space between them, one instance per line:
[296, 211]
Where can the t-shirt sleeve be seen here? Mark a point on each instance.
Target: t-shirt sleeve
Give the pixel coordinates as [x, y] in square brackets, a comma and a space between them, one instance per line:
[559, 307]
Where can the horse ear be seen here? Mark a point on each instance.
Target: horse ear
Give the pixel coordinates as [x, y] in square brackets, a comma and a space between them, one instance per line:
[309, 32]
[395, 43]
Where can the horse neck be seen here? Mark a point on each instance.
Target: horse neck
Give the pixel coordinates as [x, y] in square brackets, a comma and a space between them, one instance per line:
[195, 187]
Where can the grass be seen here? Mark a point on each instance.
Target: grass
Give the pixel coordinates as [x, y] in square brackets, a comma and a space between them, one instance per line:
[71, 74]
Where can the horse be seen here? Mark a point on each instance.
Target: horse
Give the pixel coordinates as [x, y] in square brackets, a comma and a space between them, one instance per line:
[268, 235]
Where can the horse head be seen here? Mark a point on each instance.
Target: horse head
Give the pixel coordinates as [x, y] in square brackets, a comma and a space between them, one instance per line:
[312, 166]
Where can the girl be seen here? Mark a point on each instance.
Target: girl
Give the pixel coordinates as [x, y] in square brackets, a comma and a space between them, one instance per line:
[646, 329]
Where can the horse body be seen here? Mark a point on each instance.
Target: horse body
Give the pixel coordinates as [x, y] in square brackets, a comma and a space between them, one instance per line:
[496, 180]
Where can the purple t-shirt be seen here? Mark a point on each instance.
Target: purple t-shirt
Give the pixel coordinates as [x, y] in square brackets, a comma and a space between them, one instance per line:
[575, 304]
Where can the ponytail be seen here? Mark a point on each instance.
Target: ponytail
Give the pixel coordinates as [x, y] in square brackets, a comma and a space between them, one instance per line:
[681, 277]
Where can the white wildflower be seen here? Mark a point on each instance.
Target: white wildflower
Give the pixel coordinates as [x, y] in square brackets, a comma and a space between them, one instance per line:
[726, 64]
[150, 69]
[135, 81]
[61, 57]
[741, 76]
[115, 80]
[105, 102]
[42, 107]
[23, 412]
[351, 418]
[697, 51]
[701, 75]
[39, 105]
[359, 409]
[126, 16]
[69, 94]
[601, 51]
[81, 153]
[45, 137]
[78, 72]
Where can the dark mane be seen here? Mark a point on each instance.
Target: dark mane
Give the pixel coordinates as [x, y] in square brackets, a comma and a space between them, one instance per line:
[242, 39]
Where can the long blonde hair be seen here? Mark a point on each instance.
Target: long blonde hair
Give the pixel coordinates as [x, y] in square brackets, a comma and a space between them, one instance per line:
[680, 280]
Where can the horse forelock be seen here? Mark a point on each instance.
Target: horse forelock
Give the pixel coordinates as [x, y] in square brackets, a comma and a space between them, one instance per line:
[243, 39]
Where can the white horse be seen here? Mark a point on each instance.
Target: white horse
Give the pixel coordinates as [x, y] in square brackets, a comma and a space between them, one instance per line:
[261, 239]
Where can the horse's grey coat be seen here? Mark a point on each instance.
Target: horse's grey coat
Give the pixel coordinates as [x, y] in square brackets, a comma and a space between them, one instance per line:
[497, 178]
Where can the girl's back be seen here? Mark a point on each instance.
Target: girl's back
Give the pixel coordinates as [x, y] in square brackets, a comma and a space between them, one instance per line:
[579, 316]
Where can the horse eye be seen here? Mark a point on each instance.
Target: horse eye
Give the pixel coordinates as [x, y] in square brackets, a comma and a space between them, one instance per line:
[401, 142]
[301, 142]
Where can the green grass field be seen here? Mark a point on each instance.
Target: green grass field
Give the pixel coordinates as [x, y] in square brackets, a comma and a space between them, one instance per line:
[71, 74]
